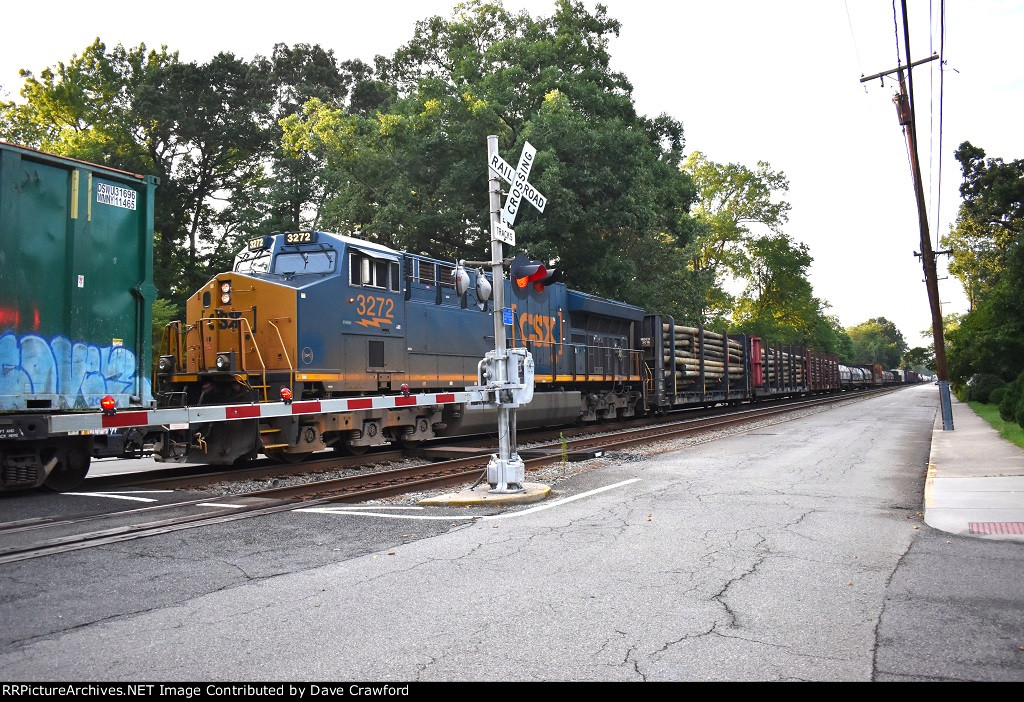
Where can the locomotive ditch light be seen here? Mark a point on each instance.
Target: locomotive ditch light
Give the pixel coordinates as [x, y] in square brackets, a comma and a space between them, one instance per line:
[165, 364]
[461, 279]
[225, 361]
[108, 404]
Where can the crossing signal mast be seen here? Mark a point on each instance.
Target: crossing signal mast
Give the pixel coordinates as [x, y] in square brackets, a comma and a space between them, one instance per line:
[507, 374]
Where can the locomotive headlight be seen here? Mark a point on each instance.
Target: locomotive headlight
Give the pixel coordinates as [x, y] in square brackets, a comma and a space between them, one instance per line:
[226, 361]
[225, 292]
[225, 298]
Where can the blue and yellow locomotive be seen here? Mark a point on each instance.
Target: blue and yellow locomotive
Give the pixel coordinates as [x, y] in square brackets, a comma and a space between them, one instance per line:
[312, 315]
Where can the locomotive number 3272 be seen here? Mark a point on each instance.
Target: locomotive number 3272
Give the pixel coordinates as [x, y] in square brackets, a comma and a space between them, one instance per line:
[370, 306]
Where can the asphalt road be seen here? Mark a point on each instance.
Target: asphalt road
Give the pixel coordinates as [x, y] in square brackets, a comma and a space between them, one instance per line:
[794, 551]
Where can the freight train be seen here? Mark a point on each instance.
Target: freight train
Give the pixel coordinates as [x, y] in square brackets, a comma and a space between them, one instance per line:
[312, 341]
[314, 316]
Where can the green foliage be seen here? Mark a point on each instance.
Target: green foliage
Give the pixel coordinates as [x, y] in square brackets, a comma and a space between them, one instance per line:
[920, 359]
[1012, 398]
[996, 396]
[731, 198]
[1011, 431]
[977, 254]
[164, 312]
[410, 174]
[982, 385]
[988, 257]
[877, 341]
[394, 153]
[779, 303]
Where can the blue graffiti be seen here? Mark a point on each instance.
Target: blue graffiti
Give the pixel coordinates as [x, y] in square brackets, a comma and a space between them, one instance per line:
[69, 374]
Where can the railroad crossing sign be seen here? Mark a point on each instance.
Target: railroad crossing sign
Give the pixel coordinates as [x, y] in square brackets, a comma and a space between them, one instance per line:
[521, 187]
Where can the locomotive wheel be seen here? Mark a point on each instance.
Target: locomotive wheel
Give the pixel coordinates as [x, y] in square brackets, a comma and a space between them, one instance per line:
[346, 450]
[282, 457]
[72, 465]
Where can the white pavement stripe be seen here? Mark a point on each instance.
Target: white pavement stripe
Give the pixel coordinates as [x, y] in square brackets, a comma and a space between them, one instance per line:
[349, 508]
[112, 496]
[558, 503]
[134, 492]
[219, 504]
[353, 510]
[329, 510]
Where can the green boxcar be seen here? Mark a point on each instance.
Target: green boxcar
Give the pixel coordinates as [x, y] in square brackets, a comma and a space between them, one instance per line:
[76, 284]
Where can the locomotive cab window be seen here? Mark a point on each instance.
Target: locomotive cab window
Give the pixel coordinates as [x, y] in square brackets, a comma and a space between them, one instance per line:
[304, 262]
[253, 262]
[372, 272]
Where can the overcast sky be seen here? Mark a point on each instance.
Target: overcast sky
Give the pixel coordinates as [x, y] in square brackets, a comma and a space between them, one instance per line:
[750, 80]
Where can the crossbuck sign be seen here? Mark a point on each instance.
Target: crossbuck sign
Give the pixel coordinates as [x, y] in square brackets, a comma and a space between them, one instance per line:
[521, 187]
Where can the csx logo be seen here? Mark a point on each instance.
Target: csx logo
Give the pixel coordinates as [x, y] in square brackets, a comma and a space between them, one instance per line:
[228, 320]
[538, 328]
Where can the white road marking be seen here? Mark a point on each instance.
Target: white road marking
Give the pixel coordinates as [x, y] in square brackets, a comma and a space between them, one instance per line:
[330, 510]
[371, 507]
[112, 496]
[558, 503]
[219, 504]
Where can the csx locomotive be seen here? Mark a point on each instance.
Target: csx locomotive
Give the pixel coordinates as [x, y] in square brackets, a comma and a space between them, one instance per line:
[313, 315]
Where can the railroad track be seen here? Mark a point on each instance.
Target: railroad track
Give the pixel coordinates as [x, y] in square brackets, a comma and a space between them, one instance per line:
[459, 471]
[197, 477]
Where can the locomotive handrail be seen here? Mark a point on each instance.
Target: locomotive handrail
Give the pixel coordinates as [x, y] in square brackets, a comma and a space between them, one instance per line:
[633, 369]
[256, 348]
[201, 359]
[287, 358]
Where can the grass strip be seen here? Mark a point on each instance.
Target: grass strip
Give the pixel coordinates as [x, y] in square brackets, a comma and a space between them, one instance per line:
[1011, 431]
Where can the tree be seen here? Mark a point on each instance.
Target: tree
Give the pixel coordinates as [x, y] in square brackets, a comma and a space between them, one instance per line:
[203, 129]
[410, 174]
[731, 198]
[920, 359]
[988, 257]
[978, 252]
[779, 303]
[83, 108]
[877, 341]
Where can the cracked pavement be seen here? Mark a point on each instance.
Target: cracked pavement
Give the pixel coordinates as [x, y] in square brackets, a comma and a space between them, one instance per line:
[786, 554]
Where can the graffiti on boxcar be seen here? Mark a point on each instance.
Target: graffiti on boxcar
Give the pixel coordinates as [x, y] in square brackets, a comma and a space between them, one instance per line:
[72, 375]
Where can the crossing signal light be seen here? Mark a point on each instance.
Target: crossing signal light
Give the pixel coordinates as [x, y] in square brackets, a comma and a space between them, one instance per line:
[525, 272]
[460, 278]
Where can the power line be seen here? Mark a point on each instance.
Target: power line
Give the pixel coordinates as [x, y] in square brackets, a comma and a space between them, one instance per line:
[860, 66]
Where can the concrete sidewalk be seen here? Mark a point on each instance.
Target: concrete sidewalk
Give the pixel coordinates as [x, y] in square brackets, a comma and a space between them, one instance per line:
[975, 484]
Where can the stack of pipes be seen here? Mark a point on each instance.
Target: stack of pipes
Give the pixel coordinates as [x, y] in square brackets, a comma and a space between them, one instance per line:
[687, 354]
[784, 361]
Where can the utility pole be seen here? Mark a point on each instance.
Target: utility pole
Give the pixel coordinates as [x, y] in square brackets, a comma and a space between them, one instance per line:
[905, 112]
